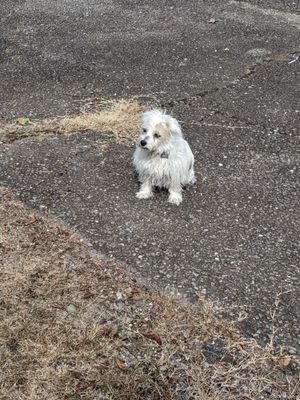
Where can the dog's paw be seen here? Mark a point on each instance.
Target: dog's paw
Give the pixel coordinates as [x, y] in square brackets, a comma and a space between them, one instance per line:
[191, 178]
[192, 181]
[143, 194]
[175, 198]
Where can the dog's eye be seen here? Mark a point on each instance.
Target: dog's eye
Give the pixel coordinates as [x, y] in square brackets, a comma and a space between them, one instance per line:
[144, 130]
[156, 135]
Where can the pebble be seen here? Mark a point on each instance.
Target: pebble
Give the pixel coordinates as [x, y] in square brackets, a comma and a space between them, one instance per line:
[71, 309]
[292, 350]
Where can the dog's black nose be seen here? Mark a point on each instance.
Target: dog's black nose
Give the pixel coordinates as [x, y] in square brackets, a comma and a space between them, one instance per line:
[143, 143]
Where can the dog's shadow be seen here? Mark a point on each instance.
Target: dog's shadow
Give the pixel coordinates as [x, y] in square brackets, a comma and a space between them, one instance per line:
[158, 189]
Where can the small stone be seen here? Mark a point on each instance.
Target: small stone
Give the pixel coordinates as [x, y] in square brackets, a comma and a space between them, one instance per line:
[292, 350]
[119, 296]
[71, 309]
[258, 52]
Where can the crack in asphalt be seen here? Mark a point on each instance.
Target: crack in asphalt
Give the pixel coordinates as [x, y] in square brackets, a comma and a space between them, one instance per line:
[188, 100]
[238, 123]
[20, 134]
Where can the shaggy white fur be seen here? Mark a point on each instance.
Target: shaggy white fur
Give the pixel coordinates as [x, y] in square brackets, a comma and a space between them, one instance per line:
[163, 158]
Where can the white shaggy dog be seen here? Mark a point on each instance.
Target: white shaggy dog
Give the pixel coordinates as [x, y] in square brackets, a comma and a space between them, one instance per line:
[163, 158]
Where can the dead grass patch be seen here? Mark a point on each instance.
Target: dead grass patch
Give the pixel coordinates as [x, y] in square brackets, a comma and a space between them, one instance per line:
[118, 118]
[75, 327]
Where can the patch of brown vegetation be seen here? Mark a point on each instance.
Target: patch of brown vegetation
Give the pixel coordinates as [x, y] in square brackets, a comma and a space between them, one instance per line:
[118, 118]
[75, 327]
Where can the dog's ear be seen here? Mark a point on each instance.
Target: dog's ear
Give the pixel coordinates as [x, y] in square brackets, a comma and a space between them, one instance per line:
[164, 130]
[173, 126]
[148, 115]
[145, 115]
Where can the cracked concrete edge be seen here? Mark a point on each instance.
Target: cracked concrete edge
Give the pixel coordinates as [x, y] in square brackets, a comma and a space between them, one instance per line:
[290, 18]
[127, 269]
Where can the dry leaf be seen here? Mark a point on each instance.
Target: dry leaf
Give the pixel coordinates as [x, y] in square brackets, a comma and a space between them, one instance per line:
[280, 57]
[212, 21]
[31, 220]
[88, 295]
[153, 336]
[64, 232]
[169, 314]
[205, 339]
[85, 386]
[284, 362]
[77, 374]
[17, 205]
[170, 380]
[105, 331]
[104, 320]
[135, 294]
[103, 366]
[23, 121]
[196, 359]
[162, 360]
[121, 363]
[220, 362]
[4, 248]
[58, 306]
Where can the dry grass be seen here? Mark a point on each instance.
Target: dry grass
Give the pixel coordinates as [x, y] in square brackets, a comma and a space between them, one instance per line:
[118, 118]
[76, 327]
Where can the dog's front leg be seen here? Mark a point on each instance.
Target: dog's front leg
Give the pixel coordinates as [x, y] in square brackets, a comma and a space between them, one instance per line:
[145, 191]
[175, 196]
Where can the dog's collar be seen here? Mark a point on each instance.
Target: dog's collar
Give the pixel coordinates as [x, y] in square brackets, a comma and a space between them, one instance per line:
[164, 154]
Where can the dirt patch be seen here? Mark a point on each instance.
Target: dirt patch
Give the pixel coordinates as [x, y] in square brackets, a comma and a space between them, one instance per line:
[76, 327]
[119, 118]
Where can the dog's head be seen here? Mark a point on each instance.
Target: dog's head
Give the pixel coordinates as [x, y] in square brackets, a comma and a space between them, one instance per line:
[157, 130]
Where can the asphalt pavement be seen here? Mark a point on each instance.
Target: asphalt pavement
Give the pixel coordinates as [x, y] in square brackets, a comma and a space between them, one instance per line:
[229, 71]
